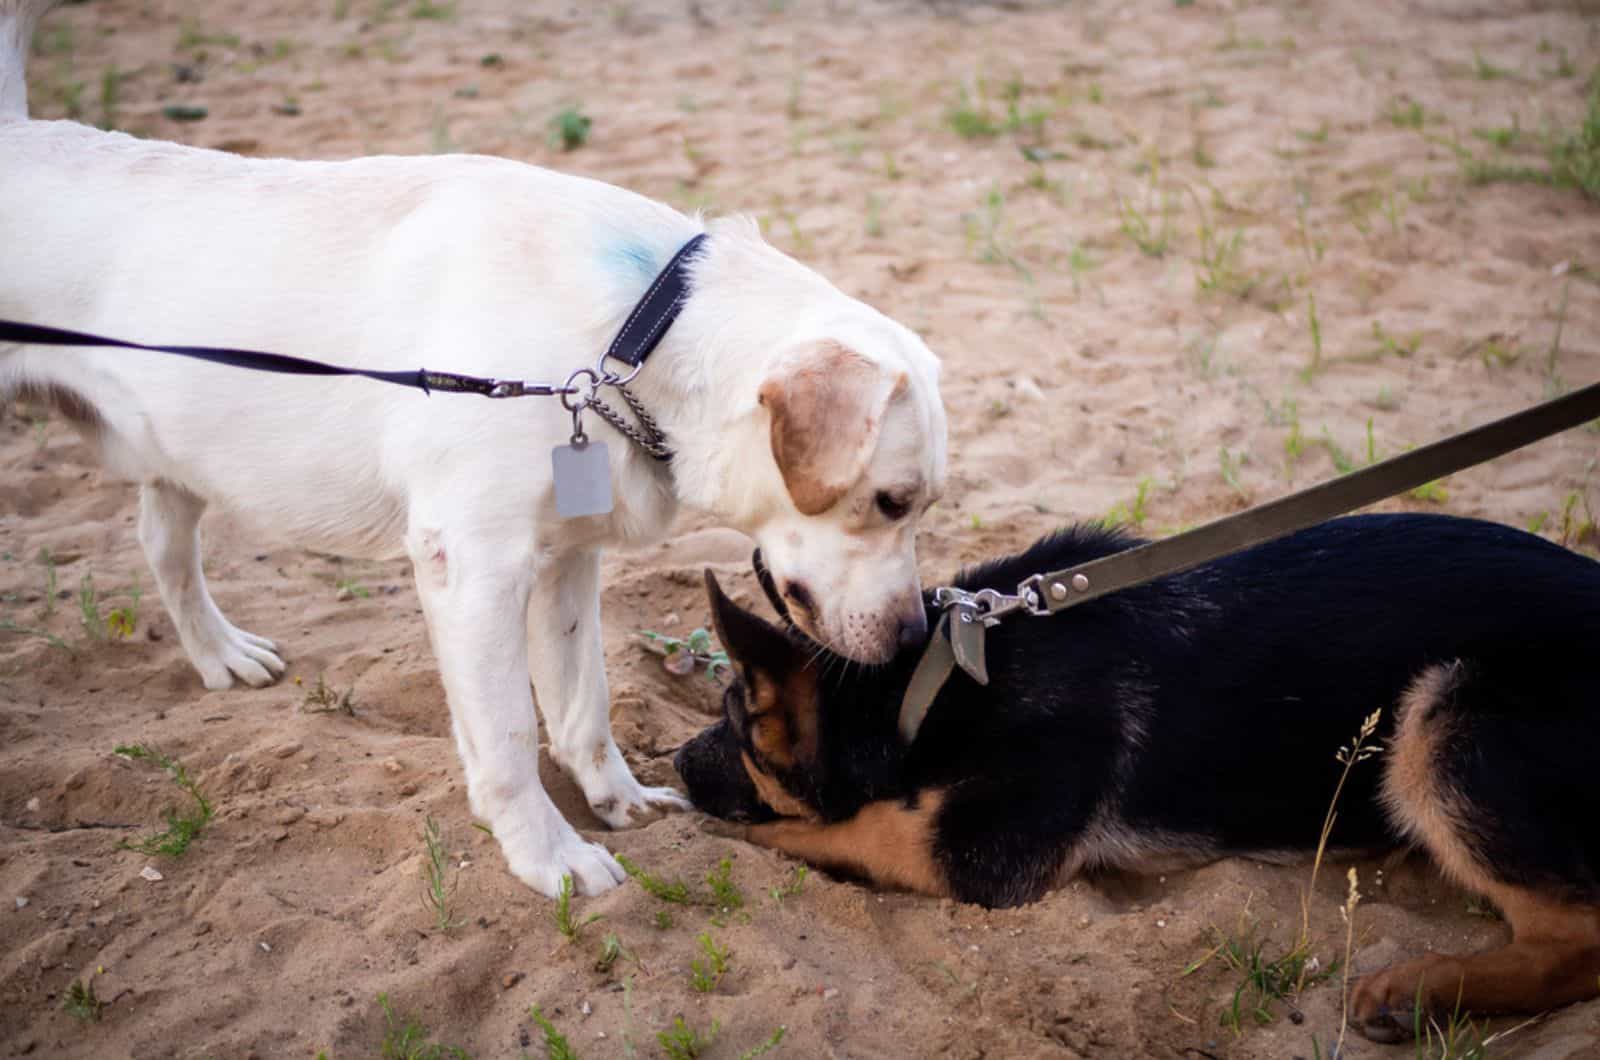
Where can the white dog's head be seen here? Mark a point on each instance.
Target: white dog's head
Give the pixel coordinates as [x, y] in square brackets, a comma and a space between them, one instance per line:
[816, 428]
[859, 444]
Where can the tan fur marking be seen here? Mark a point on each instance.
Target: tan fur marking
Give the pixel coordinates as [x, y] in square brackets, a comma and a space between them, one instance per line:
[1424, 808]
[800, 712]
[771, 792]
[1553, 957]
[764, 721]
[826, 412]
[783, 722]
[887, 842]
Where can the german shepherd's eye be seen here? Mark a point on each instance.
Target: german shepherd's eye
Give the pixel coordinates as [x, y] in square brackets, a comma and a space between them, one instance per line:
[893, 508]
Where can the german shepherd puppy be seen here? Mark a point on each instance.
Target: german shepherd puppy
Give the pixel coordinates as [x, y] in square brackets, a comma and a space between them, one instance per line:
[1199, 716]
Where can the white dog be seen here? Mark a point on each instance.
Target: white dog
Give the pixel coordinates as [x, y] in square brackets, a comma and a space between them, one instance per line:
[797, 415]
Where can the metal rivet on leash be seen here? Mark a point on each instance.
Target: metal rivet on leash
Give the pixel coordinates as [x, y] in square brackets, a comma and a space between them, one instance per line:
[1080, 582]
[1058, 591]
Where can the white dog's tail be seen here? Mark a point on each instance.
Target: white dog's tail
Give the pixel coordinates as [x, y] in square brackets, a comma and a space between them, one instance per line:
[17, 20]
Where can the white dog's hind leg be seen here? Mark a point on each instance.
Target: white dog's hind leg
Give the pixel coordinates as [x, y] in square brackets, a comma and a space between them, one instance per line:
[169, 530]
[569, 672]
[475, 594]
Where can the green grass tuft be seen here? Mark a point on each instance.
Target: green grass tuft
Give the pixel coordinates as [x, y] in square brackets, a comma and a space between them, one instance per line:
[569, 129]
[706, 975]
[681, 1042]
[81, 1003]
[676, 892]
[181, 829]
[556, 1046]
[438, 877]
[569, 927]
[407, 1039]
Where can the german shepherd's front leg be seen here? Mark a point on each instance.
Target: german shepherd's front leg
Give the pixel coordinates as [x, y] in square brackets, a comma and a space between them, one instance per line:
[890, 843]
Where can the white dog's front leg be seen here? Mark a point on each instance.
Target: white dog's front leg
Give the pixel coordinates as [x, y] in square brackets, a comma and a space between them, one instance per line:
[565, 646]
[474, 592]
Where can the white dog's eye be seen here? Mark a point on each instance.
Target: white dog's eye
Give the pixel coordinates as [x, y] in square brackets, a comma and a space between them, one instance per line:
[892, 508]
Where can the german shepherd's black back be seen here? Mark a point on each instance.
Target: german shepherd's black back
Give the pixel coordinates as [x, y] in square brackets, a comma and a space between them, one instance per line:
[1202, 715]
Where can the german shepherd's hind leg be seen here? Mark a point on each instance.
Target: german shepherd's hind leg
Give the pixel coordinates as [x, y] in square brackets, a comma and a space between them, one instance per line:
[1494, 777]
[169, 530]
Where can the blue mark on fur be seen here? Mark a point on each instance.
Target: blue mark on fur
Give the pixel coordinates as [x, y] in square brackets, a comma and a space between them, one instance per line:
[633, 258]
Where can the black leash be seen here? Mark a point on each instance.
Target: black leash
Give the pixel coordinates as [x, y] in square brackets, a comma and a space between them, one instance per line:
[958, 638]
[640, 335]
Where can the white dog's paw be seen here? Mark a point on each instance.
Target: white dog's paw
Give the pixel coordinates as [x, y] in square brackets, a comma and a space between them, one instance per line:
[614, 795]
[591, 866]
[623, 802]
[234, 654]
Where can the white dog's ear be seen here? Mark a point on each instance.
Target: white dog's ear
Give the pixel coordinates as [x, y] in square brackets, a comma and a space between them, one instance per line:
[827, 403]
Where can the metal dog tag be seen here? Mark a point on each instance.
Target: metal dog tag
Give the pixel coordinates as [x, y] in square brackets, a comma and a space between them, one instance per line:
[966, 640]
[583, 479]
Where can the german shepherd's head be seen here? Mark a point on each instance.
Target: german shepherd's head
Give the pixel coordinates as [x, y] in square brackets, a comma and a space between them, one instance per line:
[774, 752]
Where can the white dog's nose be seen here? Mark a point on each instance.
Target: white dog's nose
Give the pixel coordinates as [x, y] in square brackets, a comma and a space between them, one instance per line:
[913, 629]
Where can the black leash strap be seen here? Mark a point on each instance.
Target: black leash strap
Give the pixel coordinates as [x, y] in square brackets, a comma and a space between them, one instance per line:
[640, 335]
[421, 379]
[1275, 519]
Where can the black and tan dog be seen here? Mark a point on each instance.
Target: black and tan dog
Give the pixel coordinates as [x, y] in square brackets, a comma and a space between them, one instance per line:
[1199, 716]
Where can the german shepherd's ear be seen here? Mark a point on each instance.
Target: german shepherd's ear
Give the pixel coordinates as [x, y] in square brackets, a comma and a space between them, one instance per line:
[781, 697]
[751, 642]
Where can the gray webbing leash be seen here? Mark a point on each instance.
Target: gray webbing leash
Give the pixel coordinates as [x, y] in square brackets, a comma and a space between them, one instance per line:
[957, 640]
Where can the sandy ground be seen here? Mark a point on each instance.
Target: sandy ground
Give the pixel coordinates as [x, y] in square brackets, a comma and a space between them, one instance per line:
[1085, 375]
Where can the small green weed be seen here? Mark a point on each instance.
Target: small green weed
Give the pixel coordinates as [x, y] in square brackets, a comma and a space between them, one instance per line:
[1130, 514]
[1458, 1039]
[765, 1047]
[725, 894]
[1484, 70]
[1572, 157]
[569, 927]
[663, 919]
[191, 34]
[346, 588]
[1389, 345]
[81, 1003]
[1230, 465]
[1406, 114]
[439, 877]
[1575, 528]
[684, 1043]
[1263, 980]
[705, 975]
[611, 949]
[407, 1039]
[181, 828]
[1316, 336]
[681, 655]
[1151, 239]
[676, 892]
[428, 11]
[556, 1046]
[94, 624]
[325, 700]
[569, 129]
[791, 887]
[970, 118]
